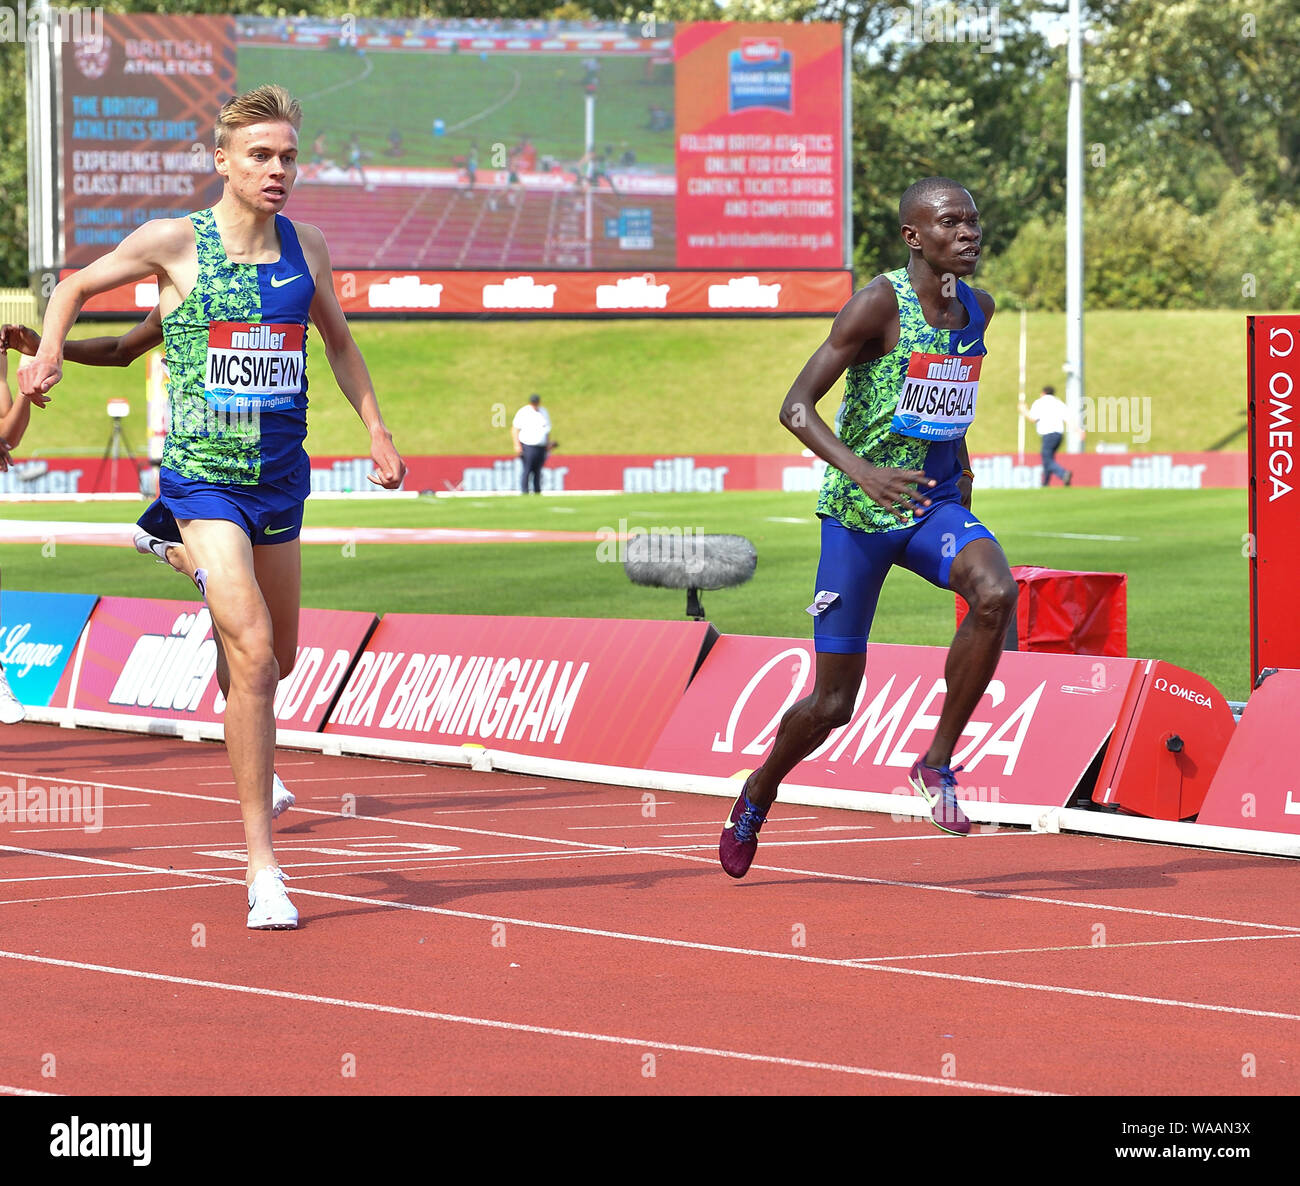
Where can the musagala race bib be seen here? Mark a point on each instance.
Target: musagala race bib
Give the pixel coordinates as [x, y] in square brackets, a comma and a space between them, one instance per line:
[254, 366]
[937, 402]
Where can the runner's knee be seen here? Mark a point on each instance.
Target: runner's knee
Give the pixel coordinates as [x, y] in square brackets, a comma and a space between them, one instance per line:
[254, 669]
[995, 602]
[833, 708]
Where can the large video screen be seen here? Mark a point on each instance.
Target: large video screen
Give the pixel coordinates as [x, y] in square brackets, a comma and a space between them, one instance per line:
[480, 145]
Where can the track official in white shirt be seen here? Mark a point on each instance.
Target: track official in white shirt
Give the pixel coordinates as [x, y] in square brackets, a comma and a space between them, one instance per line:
[1050, 416]
[532, 435]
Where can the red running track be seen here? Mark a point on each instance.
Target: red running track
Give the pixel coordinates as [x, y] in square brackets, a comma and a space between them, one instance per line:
[480, 933]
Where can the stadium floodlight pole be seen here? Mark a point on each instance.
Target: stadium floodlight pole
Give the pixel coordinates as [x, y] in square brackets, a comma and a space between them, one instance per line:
[590, 142]
[43, 253]
[1020, 420]
[1074, 233]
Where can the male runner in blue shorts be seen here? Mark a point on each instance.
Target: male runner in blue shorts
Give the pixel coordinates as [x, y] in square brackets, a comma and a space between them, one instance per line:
[238, 284]
[121, 351]
[897, 491]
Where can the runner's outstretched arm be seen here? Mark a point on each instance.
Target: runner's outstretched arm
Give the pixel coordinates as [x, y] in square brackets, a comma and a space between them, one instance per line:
[96, 352]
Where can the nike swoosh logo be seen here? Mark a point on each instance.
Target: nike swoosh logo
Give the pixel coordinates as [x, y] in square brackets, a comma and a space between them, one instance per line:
[728, 824]
[975, 524]
[962, 347]
[278, 282]
[278, 530]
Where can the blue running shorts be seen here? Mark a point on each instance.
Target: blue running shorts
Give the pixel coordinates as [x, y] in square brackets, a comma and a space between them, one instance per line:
[267, 514]
[854, 564]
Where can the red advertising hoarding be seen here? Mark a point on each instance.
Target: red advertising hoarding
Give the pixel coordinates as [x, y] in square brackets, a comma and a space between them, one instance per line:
[1274, 361]
[1030, 740]
[760, 145]
[644, 473]
[1255, 785]
[594, 691]
[158, 659]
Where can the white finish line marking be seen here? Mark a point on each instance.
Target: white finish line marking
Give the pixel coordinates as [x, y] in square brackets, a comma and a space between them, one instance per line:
[520, 1027]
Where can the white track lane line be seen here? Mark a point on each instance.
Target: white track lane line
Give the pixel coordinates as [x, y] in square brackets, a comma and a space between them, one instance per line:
[5, 1089]
[338, 86]
[717, 948]
[299, 778]
[522, 1027]
[144, 889]
[794, 819]
[440, 794]
[686, 856]
[949, 955]
[473, 119]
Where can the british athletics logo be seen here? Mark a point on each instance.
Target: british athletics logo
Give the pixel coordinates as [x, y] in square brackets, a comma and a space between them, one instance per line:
[760, 74]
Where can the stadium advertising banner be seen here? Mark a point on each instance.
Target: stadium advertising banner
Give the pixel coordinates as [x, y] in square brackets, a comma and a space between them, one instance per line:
[38, 632]
[649, 473]
[504, 294]
[1030, 740]
[564, 167]
[1255, 785]
[644, 473]
[158, 659]
[583, 690]
[138, 109]
[760, 148]
[1274, 363]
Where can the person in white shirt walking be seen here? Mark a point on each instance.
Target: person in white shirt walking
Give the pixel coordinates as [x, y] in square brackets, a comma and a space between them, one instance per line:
[532, 435]
[1050, 415]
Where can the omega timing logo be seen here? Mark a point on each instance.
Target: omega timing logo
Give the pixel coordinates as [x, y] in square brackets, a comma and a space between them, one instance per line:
[1281, 437]
[1163, 685]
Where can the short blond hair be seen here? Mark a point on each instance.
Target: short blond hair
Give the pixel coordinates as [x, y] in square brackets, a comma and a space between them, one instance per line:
[262, 105]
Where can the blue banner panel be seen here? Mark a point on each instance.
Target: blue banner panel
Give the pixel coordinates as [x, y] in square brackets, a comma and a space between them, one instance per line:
[38, 633]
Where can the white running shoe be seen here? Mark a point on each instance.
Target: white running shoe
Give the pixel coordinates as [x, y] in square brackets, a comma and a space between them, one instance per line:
[269, 908]
[147, 544]
[281, 796]
[11, 709]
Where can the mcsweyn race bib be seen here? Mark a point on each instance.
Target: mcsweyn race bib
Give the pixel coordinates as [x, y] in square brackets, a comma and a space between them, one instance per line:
[937, 402]
[254, 366]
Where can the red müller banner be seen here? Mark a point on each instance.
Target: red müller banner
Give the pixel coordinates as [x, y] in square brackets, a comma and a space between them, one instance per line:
[1030, 740]
[1274, 361]
[562, 294]
[595, 691]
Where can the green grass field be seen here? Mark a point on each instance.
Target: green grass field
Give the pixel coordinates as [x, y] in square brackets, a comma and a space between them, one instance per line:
[1182, 551]
[697, 386]
[498, 100]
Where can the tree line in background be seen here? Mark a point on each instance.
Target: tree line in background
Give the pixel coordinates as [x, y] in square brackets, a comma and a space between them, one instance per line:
[1191, 141]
